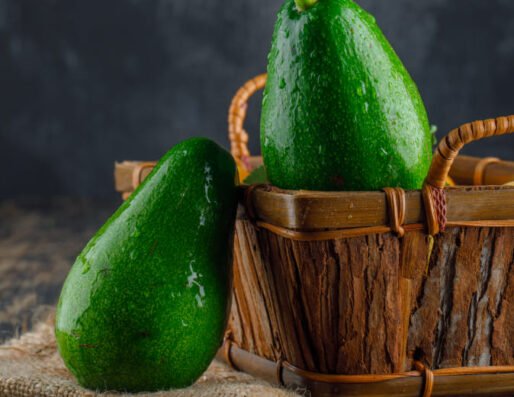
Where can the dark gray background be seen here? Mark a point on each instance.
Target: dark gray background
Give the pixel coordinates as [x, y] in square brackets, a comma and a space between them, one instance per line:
[85, 83]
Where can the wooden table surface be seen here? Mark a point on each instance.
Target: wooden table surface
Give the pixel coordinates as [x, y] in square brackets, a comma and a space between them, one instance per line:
[39, 241]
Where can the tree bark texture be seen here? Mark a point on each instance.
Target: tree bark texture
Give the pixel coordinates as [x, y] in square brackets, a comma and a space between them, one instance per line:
[369, 305]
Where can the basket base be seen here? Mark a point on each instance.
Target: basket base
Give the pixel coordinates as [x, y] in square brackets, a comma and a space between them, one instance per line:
[461, 382]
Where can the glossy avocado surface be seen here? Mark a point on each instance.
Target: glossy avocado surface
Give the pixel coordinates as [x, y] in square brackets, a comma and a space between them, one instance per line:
[145, 305]
[340, 111]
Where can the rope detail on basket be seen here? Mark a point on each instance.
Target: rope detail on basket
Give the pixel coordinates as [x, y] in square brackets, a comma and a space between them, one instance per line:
[428, 376]
[396, 206]
[227, 354]
[444, 156]
[435, 209]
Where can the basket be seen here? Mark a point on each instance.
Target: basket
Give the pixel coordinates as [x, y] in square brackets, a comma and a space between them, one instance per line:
[376, 293]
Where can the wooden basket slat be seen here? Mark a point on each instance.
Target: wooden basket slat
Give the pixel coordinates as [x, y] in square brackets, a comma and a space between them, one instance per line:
[321, 210]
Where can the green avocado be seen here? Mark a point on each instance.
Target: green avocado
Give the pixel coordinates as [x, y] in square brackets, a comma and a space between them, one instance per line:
[340, 111]
[145, 305]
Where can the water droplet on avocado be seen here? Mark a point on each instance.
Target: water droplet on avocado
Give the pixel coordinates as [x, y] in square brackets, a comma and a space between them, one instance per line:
[86, 266]
[361, 90]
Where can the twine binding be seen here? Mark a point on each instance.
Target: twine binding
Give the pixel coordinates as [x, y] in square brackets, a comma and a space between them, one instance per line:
[428, 380]
[397, 208]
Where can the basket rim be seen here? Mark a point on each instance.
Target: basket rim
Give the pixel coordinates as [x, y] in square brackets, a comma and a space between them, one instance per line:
[303, 215]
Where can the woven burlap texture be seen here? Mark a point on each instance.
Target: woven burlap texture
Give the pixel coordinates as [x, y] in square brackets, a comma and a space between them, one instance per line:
[31, 366]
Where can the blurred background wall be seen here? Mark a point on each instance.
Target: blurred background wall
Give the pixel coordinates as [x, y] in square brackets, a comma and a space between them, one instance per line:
[85, 83]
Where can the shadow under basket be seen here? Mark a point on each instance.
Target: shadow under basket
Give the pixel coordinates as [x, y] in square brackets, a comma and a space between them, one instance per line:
[376, 293]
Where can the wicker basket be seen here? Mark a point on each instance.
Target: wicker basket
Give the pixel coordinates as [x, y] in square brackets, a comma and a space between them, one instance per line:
[377, 293]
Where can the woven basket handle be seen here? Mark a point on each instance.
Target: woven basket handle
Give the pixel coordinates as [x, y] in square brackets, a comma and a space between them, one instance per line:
[434, 196]
[236, 116]
[450, 146]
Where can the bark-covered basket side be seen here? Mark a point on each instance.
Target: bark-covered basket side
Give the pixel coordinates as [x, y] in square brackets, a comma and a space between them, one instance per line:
[465, 310]
[370, 304]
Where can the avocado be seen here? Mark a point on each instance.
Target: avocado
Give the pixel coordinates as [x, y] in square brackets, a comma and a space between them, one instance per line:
[145, 305]
[340, 111]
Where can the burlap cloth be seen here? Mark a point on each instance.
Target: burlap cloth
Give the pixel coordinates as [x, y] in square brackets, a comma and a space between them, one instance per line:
[31, 366]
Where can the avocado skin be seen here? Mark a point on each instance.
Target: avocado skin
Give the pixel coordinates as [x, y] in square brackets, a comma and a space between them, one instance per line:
[340, 111]
[145, 305]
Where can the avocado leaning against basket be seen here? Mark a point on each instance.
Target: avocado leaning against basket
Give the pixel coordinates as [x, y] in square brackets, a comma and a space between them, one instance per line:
[340, 111]
[146, 303]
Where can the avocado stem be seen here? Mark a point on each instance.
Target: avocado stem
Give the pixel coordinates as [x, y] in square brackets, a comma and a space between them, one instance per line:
[303, 5]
